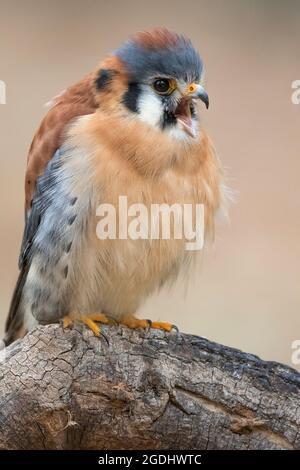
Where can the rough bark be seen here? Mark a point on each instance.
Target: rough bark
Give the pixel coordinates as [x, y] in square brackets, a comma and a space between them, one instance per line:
[67, 389]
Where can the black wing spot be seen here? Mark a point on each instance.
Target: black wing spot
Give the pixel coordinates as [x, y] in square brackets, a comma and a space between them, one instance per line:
[73, 201]
[69, 247]
[65, 272]
[71, 219]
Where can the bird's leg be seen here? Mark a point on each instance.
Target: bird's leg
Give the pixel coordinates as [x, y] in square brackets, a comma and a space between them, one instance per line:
[86, 319]
[133, 322]
[89, 320]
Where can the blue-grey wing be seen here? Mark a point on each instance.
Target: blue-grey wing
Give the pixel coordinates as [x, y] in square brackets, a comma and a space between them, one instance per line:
[45, 241]
[42, 199]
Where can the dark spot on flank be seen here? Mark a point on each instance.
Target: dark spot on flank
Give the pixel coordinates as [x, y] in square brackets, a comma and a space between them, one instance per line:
[55, 259]
[73, 201]
[71, 219]
[65, 271]
[130, 98]
[69, 247]
[104, 77]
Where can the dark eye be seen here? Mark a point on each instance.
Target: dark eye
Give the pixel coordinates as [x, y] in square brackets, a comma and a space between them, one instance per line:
[164, 86]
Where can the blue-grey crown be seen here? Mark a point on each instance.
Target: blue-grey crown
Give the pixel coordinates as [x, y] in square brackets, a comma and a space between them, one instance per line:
[176, 57]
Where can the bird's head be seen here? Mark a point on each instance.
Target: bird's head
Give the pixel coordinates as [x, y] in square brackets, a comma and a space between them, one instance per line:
[156, 77]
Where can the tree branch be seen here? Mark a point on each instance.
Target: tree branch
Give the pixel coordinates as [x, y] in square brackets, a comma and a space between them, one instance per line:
[67, 389]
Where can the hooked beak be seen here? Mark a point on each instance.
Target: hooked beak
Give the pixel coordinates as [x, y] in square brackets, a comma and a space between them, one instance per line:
[198, 91]
[183, 110]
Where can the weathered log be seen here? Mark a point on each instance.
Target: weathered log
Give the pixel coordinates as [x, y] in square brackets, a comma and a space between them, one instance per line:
[67, 389]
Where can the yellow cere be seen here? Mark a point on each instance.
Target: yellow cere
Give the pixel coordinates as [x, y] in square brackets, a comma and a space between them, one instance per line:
[192, 88]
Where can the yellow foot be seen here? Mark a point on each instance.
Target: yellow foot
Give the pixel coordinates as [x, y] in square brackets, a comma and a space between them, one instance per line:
[89, 321]
[99, 317]
[67, 321]
[133, 322]
[90, 324]
[161, 325]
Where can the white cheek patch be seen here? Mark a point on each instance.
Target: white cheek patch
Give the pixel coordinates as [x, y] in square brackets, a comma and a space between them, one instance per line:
[150, 108]
[177, 132]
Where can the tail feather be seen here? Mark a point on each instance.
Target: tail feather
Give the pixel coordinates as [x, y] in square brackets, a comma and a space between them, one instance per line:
[15, 324]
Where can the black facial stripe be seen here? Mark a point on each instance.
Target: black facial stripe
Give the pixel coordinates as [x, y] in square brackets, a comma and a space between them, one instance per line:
[104, 78]
[168, 119]
[131, 96]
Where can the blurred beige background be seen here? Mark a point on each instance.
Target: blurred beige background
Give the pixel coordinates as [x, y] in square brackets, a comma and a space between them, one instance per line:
[247, 294]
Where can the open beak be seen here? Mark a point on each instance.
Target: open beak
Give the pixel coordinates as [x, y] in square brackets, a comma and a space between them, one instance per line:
[184, 116]
[183, 110]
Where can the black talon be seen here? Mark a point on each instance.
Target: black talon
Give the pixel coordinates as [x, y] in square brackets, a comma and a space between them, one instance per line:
[149, 324]
[105, 337]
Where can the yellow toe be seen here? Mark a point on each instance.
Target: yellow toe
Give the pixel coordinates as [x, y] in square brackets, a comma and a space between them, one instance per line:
[160, 325]
[99, 317]
[67, 321]
[132, 322]
[91, 324]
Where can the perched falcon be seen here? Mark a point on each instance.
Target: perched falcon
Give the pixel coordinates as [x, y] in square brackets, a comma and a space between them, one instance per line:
[129, 128]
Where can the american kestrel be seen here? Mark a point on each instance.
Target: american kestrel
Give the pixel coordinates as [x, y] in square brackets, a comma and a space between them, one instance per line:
[129, 128]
